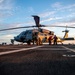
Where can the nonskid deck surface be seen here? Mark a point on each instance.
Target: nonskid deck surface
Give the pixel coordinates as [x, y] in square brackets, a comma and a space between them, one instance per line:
[38, 60]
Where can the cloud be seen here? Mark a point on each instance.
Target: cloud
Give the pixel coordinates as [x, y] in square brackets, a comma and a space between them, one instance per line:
[6, 8]
[30, 9]
[6, 5]
[1, 1]
[71, 15]
[6, 38]
[46, 14]
[59, 13]
[51, 19]
[56, 5]
[30, 23]
[64, 23]
[68, 7]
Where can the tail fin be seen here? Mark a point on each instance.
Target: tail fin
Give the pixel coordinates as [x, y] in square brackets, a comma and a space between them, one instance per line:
[66, 33]
[66, 36]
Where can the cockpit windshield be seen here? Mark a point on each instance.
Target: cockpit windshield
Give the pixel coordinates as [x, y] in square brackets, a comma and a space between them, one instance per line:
[23, 33]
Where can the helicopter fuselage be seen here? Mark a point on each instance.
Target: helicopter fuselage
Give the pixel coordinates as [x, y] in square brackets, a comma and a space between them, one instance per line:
[27, 36]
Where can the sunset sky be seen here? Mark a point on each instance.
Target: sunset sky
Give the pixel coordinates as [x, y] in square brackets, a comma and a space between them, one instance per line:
[15, 13]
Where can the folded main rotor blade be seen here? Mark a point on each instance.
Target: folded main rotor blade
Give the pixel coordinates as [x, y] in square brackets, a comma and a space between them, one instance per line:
[37, 20]
[17, 28]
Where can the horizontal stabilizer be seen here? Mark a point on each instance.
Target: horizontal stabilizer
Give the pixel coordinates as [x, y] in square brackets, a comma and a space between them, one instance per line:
[68, 38]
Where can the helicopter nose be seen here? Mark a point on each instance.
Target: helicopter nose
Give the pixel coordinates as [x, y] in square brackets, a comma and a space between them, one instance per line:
[16, 38]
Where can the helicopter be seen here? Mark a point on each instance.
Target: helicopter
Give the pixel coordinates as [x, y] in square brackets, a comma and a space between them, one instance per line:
[38, 35]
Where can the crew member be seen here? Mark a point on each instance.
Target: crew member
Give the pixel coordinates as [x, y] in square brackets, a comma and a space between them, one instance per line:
[50, 39]
[55, 40]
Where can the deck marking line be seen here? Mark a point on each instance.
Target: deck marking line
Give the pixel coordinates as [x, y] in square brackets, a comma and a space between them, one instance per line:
[69, 49]
[14, 51]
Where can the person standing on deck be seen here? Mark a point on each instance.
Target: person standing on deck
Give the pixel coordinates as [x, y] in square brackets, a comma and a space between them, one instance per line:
[50, 39]
[55, 40]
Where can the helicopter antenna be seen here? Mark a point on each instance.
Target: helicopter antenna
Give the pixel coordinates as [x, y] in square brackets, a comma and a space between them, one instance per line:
[66, 27]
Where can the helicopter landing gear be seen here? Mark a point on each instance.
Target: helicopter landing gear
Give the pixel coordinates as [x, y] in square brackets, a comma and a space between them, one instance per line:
[28, 42]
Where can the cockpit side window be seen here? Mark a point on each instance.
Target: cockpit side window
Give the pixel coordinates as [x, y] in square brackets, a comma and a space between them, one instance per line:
[25, 32]
[30, 32]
